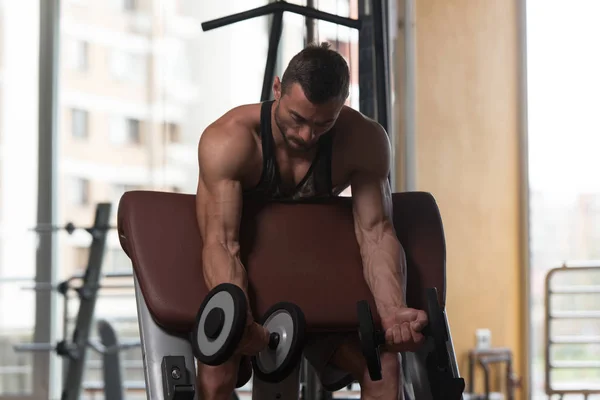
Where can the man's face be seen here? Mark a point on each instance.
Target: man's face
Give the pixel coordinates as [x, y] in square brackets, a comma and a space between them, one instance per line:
[301, 122]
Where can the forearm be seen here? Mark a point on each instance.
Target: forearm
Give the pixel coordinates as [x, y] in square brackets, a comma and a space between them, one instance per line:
[222, 264]
[384, 268]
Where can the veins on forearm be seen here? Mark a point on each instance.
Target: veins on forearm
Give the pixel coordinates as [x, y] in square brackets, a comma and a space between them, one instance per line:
[221, 263]
[384, 268]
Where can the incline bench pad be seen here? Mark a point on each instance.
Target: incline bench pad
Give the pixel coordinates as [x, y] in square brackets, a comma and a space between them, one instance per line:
[303, 253]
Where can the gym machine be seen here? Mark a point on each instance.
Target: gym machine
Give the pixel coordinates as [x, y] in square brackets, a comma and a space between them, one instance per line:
[74, 351]
[294, 285]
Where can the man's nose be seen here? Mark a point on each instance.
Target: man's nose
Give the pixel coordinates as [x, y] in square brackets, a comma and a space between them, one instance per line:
[307, 133]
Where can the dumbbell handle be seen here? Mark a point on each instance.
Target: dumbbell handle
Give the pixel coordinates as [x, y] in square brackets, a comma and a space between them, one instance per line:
[274, 339]
[379, 337]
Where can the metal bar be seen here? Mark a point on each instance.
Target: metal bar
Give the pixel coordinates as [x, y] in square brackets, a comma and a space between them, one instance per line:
[101, 348]
[366, 72]
[47, 185]
[574, 391]
[409, 150]
[280, 7]
[274, 38]
[34, 347]
[471, 382]
[312, 386]
[584, 264]
[524, 237]
[450, 348]
[510, 386]
[547, 335]
[43, 287]
[575, 340]
[588, 289]
[574, 314]
[575, 364]
[486, 379]
[111, 362]
[118, 275]
[310, 24]
[320, 15]
[81, 334]
[380, 57]
[239, 17]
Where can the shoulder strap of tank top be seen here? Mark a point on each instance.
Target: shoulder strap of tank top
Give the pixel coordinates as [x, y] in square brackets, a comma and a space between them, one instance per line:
[326, 152]
[266, 132]
[266, 135]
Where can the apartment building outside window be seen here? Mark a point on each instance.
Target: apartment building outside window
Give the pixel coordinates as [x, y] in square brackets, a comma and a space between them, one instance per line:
[129, 5]
[127, 66]
[79, 123]
[78, 54]
[79, 191]
[125, 131]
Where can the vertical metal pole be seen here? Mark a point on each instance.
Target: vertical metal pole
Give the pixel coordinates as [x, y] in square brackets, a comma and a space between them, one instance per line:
[274, 38]
[365, 60]
[47, 177]
[310, 24]
[111, 362]
[88, 295]
[409, 90]
[380, 49]
[527, 342]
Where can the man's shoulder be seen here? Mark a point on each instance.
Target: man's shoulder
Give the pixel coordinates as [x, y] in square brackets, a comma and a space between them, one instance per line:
[360, 131]
[239, 125]
[364, 140]
[232, 138]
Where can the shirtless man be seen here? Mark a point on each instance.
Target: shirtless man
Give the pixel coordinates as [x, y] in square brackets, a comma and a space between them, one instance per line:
[306, 144]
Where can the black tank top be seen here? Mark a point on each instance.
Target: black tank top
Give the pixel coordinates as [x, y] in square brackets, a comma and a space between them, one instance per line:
[315, 185]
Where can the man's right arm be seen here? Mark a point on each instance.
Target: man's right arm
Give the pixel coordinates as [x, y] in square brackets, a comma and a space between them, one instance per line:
[223, 154]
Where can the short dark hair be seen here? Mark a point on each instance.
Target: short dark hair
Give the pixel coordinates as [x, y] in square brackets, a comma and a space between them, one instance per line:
[322, 73]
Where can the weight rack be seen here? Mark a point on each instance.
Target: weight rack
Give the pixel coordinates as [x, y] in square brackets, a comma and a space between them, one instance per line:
[74, 351]
[552, 290]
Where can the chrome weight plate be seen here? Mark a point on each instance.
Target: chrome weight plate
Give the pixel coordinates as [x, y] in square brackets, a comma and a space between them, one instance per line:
[219, 324]
[286, 325]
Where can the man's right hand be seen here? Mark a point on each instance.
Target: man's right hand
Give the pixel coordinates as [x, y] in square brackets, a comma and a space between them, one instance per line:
[255, 339]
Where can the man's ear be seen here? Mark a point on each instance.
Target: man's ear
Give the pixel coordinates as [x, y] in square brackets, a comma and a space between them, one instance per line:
[277, 88]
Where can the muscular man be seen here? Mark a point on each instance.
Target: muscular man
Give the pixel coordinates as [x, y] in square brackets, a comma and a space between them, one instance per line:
[306, 144]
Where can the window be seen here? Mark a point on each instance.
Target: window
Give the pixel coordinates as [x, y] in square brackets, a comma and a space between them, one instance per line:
[81, 257]
[564, 196]
[129, 5]
[79, 55]
[129, 67]
[117, 261]
[125, 131]
[79, 123]
[79, 192]
[149, 85]
[173, 133]
[118, 189]
[133, 130]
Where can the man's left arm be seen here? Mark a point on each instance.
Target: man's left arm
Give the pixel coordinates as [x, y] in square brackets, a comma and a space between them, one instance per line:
[384, 262]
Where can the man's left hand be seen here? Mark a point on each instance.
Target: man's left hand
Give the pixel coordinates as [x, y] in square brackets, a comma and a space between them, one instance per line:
[403, 328]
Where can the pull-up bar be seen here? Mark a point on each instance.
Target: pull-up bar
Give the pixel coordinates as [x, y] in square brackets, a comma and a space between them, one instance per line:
[377, 46]
[277, 9]
[280, 7]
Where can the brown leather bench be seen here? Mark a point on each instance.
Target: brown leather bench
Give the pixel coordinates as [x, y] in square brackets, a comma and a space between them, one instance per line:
[302, 253]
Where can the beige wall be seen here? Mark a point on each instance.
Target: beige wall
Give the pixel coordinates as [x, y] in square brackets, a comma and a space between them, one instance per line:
[468, 157]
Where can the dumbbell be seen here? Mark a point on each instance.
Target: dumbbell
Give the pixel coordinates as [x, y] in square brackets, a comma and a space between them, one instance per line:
[220, 324]
[371, 338]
